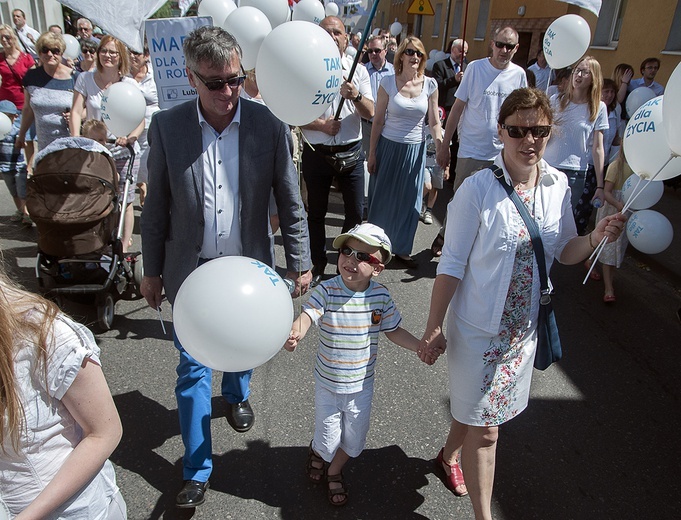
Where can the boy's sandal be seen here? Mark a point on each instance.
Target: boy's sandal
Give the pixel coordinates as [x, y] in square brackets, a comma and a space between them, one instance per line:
[315, 466]
[341, 491]
[436, 246]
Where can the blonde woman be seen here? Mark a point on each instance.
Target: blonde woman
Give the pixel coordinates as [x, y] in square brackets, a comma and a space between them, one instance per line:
[113, 65]
[397, 151]
[59, 422]
[576, 146]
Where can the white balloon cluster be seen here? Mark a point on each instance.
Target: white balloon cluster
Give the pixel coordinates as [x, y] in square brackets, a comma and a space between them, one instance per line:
[652, 147]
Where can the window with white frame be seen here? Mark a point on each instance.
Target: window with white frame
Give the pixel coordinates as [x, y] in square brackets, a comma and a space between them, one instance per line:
[609, 23]
[456, 19]
[436, 20]
[674, 39]
[483, 16]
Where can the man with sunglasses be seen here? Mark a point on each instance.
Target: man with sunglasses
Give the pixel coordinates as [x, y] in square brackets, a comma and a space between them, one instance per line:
[333, 151]
[213, 163]
[84, 26]
[479, 97]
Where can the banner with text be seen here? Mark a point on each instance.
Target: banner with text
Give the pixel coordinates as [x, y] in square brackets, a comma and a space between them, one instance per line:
[165, 37]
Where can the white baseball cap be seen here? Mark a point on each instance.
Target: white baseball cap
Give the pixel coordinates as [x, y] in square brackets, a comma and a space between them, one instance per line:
[369, 234]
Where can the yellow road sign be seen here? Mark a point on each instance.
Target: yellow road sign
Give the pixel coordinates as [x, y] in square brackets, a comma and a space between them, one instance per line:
[421, 7]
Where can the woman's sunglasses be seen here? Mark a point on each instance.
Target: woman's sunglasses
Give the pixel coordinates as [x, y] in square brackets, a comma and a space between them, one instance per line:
[219, 84]
[55, 51]
[412, 52]
[519, 132]
[360, 256]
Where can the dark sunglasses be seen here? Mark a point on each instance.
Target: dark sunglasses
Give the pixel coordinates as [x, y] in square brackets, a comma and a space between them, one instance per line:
[55, 51]
[360, 256]
[219, 84]
[411, 52]
[519, 132]
[89, 51]
[507, 46]
[375, 51]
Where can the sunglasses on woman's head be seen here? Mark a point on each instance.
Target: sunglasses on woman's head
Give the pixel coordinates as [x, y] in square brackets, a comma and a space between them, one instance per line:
[219, 84]
[360, 256]
[507, 46]
[519, 132]
[412, 52]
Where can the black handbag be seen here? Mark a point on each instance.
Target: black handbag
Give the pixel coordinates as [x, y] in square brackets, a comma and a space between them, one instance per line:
[548, 340]
[343, 162]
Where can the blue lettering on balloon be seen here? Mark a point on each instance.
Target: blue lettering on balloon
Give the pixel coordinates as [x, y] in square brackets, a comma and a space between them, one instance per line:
[640, 127]
[267, 271]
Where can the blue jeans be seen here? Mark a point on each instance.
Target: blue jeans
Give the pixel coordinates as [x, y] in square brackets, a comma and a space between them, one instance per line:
[193, 392]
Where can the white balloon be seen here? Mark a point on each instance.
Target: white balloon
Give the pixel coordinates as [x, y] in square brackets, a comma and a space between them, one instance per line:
[308, 11]
[429, 63]
[299, 72]
[72, 49]
[376, 31]
[233, 313]
[649, 231]
[219, 10]
[358, 33]
[650, 192]
[249, 26]
[637, 97]
[432, 53]
[645, 143]
[5, 125]
[277, 11]
[396, 28]
[671, 119]
[123, 108]
[351, 51]
[441, 55]
[566, 40]
[331, 9]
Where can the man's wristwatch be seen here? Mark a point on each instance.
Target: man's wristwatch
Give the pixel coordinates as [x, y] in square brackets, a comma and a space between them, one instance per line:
[358, 98]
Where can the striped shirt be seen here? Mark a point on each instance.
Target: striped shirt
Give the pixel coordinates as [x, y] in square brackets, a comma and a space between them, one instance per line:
[349, 323]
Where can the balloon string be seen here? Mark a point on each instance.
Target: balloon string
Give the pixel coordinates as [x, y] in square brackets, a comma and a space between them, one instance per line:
[599, 249]
[632, 199]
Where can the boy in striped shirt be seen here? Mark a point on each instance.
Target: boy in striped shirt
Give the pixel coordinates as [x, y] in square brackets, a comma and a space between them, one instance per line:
[350, 310]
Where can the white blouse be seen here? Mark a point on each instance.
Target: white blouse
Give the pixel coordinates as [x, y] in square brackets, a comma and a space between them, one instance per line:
[482, 237]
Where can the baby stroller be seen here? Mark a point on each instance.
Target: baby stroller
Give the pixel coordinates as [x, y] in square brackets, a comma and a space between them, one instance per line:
[73, 199]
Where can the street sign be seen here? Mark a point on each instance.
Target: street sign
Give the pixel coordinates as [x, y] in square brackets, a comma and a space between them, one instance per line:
[421, 7]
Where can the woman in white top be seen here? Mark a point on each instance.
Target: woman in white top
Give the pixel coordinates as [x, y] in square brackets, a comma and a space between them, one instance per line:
[488, 278]
[113, 65]
[398, 148]
[576, 147]
[59, 422]
[140, 71]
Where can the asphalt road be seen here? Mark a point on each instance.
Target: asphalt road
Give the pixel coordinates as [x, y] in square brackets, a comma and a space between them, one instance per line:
[598, 440]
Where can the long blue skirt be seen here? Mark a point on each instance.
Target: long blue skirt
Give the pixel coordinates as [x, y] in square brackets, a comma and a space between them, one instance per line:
[396, 190]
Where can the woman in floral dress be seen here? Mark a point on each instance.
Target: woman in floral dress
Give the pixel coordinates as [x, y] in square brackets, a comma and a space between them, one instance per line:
[488, 279]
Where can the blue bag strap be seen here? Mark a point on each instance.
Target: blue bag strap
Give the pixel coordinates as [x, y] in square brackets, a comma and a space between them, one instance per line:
[533, 229]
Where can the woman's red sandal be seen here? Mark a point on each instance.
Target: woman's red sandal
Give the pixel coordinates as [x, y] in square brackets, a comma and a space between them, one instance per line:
[455, 479]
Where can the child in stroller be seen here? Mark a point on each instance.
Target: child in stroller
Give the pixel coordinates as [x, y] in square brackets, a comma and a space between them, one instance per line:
[73, 198]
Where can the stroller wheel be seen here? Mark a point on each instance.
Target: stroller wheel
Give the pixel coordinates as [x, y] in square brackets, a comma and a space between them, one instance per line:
[138, 271]
[105, 311]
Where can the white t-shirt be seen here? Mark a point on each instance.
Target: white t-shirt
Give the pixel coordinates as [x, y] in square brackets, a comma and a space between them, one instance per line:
[483, 89]
[572, 135]
[52, 432]
[405, 117]
[541, 76]
[609, 134]
[351, 122]
[86, 85]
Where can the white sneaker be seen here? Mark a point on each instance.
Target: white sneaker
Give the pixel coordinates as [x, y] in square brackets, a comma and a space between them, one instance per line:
[427, 217]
